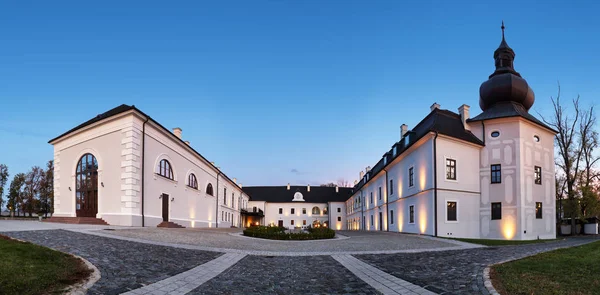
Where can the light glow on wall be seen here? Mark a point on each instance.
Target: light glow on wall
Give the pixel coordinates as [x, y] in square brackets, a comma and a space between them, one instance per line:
[193, 223]
[422, 219]
[422, 177]
[508, 228]
[192, 212]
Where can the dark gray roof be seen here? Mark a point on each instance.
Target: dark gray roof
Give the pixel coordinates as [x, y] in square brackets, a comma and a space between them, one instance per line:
[280, 194]
[441, 121]
[506, 110]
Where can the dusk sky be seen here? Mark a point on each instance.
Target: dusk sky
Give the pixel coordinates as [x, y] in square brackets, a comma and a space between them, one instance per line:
[304, 92]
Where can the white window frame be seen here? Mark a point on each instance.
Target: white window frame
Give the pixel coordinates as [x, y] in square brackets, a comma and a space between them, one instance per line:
[457, 215]
[413, 176]
[414, 214]
[446, 158]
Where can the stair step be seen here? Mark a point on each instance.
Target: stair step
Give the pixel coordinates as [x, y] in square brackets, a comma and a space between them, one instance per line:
[169, 224]
[77, 220]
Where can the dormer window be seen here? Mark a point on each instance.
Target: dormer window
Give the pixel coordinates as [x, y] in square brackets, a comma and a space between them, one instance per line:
[394, 151]
[298, 197]
[384, 160]
[406, 139]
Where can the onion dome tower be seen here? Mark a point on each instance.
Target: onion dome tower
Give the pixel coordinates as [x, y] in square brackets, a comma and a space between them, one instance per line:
[505, 84]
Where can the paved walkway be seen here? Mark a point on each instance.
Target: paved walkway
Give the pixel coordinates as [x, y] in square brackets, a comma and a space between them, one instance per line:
[383, 282]
[187, 281]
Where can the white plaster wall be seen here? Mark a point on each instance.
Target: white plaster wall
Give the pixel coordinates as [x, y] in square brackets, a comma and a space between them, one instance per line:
[272, 215]
[423, 214]
[334, 214]
[105, 142]
[465, 190]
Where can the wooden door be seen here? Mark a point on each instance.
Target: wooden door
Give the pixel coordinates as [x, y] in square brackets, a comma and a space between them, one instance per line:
[165, 207]
[86, 186]
[280, 223]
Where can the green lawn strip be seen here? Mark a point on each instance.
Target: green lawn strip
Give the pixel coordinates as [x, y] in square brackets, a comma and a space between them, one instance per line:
[502, 242]
[26, 268]
[564, 271]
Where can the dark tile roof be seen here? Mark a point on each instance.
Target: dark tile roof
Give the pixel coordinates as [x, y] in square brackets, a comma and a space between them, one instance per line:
[442, 121]
[280, 194]
[123, 108]
[506, 110]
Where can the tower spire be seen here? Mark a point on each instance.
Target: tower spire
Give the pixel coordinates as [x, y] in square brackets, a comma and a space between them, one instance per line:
[502, 27]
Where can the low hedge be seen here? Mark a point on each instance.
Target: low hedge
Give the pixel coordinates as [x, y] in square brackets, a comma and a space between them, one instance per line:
[278, 233]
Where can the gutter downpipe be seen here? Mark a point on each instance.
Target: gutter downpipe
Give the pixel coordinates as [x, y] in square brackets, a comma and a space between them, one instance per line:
[143, 165]
[435, 185]
[387, 211]
[362, 211]
[217, 202]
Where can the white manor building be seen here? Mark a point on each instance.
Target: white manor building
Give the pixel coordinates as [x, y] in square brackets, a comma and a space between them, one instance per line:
[490, 176]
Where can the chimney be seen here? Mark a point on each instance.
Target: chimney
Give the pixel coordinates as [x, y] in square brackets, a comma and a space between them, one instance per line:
[177, 132]
[362, 174]
[463, 110]
[235, 180]
[403, 130]
[288, 187]
[187, 142]
[212, 163]
[434, 106]
[367, 169]
[355, 182]
[337, 189]
[308, 188]
[240, 185]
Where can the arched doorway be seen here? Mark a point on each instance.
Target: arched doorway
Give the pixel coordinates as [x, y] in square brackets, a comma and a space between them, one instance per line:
[86, 192]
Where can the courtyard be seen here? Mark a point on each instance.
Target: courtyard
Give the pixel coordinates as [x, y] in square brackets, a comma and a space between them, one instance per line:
[220, 261]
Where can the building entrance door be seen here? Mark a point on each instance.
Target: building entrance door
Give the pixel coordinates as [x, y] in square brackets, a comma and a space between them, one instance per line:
[165, 207]
[280, 223]
[380, 221]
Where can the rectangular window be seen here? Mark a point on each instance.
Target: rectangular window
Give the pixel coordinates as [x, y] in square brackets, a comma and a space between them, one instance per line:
[391, 186]
[411, 176]
[303, 210]
[538, 210]
[339, 210]
[371, 197]
[339, 218]
[225, 196]
[496, 173]
[372, 222]
[292, 222]
[293, 211]
[496, 211]
[380, 193]
[232, 200]
[280, 210]
[411, 214]
[391, 216]
[451, 211]
[450, 169]
[304, 222]
[538, 175]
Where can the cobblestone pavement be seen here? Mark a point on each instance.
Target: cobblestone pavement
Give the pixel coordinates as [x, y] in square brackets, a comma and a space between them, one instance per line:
[286, 275]
[458, 271]
[123, 265]
[359, 241]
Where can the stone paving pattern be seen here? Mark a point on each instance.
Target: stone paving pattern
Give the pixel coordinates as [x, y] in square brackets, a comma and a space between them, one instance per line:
[123, 265]
[286, 275]
[458, 271]
[359, 241]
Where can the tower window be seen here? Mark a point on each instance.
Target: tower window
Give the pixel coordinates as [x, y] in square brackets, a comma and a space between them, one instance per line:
[538, 175]
[536, 138]
[450, 169]
[496, 173]
[451, 211]
[538, 210]
[495, 133]
[496, 211]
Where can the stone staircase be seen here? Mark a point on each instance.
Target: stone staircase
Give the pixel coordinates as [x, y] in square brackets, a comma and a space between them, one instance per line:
[169, 224]
[77, 220]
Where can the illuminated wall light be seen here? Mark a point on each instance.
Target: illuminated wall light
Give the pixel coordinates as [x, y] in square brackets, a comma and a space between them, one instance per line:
[509, 228]
[422, 177]
[423, 219]
[193, 223]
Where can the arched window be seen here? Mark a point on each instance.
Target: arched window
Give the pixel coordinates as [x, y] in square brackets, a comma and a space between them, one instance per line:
[316, 210]
[209, 189]
[164, 169]
[192, 182]
[86, 190]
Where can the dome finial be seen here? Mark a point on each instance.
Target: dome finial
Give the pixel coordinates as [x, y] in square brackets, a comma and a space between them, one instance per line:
[502, 27]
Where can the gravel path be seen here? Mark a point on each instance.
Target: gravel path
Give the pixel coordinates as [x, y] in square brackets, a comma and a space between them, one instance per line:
[286, 275]
[459, 271]
[123, 265]
[359, 241]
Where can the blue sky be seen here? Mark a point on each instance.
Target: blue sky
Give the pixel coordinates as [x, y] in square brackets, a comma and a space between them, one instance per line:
[276, 91]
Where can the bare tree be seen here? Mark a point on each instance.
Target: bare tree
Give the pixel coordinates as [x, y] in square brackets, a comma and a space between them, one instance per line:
[3, 179]
[574, 129]
[589, 203]
[32, 188]
[343, 183]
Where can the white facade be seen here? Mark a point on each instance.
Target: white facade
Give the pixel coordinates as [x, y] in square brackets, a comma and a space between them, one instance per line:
[120, 143]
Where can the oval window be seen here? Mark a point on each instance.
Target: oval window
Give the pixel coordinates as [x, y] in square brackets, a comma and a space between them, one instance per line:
[495, 133]
[536, 138]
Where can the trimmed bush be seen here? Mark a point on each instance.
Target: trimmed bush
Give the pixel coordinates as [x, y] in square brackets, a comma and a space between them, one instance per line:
[278, 233]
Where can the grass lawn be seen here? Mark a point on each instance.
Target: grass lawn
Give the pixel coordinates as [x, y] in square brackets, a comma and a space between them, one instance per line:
[501, 242]
[564, 271]
[26, 268]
